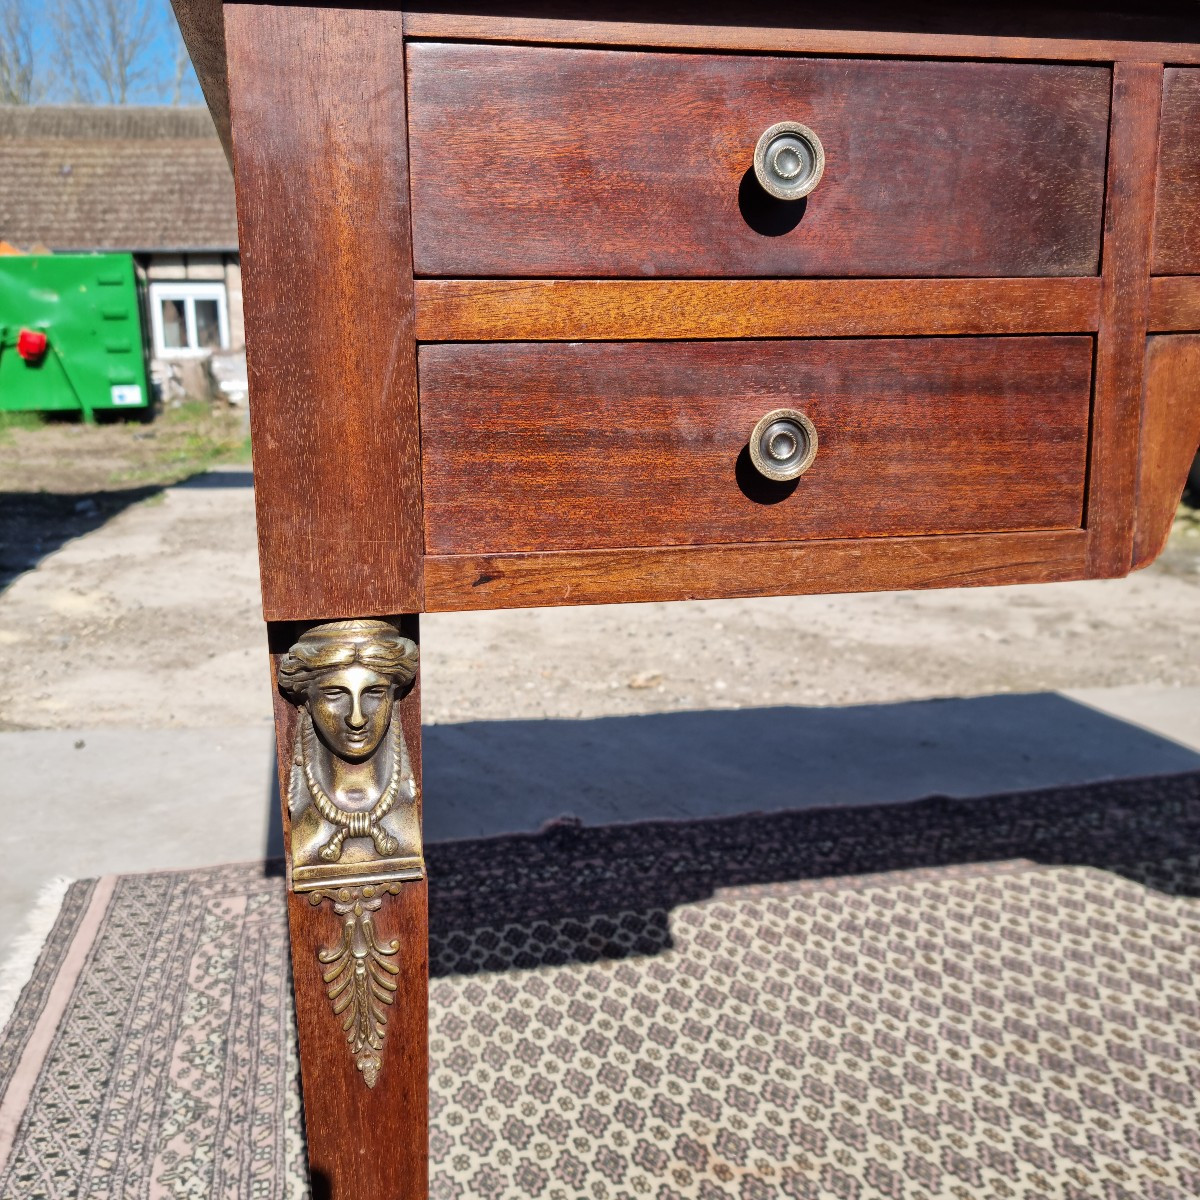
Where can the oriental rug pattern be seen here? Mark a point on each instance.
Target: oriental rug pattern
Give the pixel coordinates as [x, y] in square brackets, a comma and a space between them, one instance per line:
[725, 1010]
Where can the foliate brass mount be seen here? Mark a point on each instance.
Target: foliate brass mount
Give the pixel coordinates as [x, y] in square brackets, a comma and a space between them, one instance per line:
[789, 160]
[783, 444]
[354, 807]
[360, 973]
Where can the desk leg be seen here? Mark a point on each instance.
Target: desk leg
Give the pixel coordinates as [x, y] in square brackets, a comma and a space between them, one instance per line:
[364, 1142]
[359, 941]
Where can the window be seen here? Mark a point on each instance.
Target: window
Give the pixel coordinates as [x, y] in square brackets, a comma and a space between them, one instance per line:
[188, 319]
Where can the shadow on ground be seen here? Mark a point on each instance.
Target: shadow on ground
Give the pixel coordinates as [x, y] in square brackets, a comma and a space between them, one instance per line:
[559, 841]
[494, 777]
[34, 525]
[577, 894]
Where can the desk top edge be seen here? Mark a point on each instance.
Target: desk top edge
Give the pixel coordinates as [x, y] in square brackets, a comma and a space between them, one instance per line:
[922, 30]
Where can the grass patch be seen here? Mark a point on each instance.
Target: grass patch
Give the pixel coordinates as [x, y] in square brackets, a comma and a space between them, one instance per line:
[71, 458]
[187, 412]
[1187, 520]
[184, 441]
[18, 420]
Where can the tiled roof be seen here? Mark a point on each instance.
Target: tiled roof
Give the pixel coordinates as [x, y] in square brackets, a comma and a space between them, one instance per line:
[99, 178]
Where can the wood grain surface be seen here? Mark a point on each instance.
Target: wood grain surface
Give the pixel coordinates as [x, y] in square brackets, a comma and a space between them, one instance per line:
[941, 28]
[623, 163]
[1174, 303]
[364, 1141]
[1080, 32]
[361, 1141]
[765, 569]
[1169, 441]
[569, 463]
[1177, 216]
[571, 446]
[317, 100]
[502, 310]
[1124, 313]
[202, 27]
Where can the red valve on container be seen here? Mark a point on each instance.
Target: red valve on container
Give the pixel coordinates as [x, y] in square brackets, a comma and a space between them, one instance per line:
[31, 345]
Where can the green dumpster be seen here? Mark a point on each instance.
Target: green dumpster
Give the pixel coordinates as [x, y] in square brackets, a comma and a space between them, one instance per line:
[71, 334]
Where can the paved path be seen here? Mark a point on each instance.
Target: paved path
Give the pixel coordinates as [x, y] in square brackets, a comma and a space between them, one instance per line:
[135, 699]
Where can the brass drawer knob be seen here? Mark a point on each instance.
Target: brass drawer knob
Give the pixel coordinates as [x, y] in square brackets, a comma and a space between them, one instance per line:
[789, 160]
[783, 444]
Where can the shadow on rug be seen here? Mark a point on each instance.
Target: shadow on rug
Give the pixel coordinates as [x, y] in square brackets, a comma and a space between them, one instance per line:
[1147, 830]
[991, 998]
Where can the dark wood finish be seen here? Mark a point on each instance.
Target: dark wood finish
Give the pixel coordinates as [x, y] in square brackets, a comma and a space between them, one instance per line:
[202, 25]
[1124, 310]
[1177, 217]
[361, 1141]
[364, 1141]
[581, 446]
[607, 163]
[501, 310]
[458, 582]
[1169, 441]
[317, 98]
[949, 30]
[1174, 303]
[602, 164]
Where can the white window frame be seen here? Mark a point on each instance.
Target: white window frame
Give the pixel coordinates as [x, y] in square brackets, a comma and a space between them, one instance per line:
[187, 294]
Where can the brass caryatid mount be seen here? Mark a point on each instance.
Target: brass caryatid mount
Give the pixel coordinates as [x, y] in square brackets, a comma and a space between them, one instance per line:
[354, 808]
[352, 796]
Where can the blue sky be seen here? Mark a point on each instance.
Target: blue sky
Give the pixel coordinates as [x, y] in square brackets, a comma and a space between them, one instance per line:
[159, 59]
[164, 50]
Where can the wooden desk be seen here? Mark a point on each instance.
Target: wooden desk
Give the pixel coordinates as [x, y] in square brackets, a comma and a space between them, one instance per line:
[537, 313]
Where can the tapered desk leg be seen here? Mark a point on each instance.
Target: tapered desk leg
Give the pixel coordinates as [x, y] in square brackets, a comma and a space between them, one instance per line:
[364, 1141]
[348, 727]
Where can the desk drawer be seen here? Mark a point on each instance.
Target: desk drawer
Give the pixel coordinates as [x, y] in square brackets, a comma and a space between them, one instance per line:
[531, 161]
[1177, 209]
[561, 446]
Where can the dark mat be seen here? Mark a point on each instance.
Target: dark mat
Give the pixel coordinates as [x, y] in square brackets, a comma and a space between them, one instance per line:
[985, 998]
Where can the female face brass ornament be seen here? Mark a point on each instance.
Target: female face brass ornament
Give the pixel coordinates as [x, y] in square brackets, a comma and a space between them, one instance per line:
[355, 817]
[352, 796]
[351, 711]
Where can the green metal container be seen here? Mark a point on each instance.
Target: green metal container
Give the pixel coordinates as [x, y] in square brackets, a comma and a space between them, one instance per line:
[87, 306]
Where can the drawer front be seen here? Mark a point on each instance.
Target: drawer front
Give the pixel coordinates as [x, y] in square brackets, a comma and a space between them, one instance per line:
[1177, 206]
[585, 446]
[557, 162]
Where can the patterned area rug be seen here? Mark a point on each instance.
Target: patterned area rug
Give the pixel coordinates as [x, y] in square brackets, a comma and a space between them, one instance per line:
[946, 999]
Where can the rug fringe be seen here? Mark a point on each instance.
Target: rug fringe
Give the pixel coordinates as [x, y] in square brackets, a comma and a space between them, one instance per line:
[22, 958]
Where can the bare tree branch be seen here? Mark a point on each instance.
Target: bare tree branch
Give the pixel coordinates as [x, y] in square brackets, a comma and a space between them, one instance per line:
[185, 88]
[104, 47]
[16, 54]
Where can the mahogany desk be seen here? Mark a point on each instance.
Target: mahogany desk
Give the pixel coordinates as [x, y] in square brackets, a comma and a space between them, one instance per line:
[568, 306]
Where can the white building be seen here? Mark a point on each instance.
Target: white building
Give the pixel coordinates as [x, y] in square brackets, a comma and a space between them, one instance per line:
[151, 181]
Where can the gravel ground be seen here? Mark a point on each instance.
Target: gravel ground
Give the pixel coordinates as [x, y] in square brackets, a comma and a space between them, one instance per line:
[151, 620]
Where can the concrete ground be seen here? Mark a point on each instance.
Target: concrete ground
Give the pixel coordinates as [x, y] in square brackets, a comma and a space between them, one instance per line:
[134, 703]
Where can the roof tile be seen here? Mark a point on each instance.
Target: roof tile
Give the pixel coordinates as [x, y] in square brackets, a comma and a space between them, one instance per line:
[109, 178]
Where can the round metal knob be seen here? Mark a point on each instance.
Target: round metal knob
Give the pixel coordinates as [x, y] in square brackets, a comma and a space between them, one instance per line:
[783, 444]
[789, 160]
